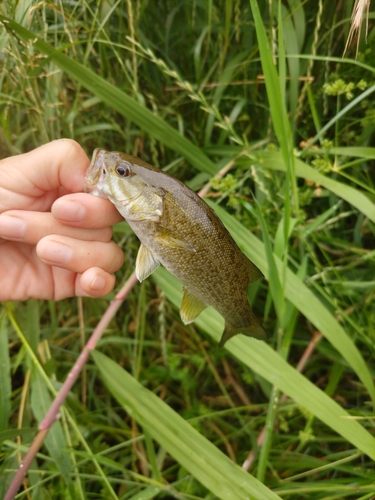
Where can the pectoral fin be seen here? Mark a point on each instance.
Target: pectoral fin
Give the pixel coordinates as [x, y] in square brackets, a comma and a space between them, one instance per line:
[145, 263]
[172, 239]
[191, 306]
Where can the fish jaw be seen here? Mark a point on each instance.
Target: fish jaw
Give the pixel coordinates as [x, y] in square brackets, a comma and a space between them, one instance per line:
[95, 180]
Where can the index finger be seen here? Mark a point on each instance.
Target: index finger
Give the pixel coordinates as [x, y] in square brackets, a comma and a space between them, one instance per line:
[86, 211]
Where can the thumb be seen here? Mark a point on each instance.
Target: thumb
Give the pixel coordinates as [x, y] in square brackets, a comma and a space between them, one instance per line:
[61, 163]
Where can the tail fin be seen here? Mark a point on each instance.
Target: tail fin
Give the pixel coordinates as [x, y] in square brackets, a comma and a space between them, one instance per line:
[255, 330]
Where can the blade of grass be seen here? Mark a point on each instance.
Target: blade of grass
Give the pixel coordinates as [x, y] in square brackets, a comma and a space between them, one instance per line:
[290, 175]
[299, 21]
[313, 109]
[277, 292]
[140, 331]
[117, 99]
[289, 34]
[265, 447]
[55, 440]
[277, 106]
[5, 379]
[278, 111]
[192, 450]
[275, 86]
[350, 151]
[276, 288]
[281, 48]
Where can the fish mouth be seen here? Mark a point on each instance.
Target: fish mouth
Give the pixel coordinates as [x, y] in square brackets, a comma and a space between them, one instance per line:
[96, 174]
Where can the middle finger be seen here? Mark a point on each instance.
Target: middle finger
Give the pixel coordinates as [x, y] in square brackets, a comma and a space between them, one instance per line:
[29, 227]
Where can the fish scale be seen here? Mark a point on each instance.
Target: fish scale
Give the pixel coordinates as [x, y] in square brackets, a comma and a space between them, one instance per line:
[180, 231]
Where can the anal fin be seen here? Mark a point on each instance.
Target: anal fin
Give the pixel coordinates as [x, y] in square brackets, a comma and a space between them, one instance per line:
[191, 306]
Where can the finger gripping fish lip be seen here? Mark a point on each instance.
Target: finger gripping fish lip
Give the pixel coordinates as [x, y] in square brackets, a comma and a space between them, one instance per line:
[95, 175]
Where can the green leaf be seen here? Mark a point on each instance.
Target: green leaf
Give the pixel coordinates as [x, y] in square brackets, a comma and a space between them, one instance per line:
[277, 106]
[275, 87]
[148, 493]
[55, 441]
[118, 100]
[26, 433]
[350, 151]
[192, 450]
[277, 291]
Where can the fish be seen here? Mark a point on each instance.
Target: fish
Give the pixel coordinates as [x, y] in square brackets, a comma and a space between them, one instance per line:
[179, 230]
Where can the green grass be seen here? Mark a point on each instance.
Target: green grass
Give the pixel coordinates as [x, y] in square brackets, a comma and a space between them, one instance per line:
[161, 411]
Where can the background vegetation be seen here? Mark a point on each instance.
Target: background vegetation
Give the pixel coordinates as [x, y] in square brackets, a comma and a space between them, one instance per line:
[195, 87]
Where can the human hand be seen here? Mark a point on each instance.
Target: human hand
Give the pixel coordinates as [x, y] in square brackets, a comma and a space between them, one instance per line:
[55, 241]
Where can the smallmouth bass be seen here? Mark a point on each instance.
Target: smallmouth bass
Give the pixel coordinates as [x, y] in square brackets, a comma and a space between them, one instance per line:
[180, 231]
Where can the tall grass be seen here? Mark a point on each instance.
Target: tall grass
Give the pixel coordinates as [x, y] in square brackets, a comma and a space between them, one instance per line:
[195, 87]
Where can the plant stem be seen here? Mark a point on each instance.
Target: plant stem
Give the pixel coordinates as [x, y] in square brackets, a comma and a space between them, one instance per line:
[268, 430]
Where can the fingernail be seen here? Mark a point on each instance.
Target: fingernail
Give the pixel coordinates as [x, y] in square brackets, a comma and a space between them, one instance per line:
[98, 283]
[12, 227]
[55, 253]
[70, 211]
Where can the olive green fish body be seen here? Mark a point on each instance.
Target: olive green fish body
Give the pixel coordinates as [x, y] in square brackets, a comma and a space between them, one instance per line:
[180, 231]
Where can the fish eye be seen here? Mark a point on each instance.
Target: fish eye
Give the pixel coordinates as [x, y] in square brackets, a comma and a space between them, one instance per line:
[122, 170]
